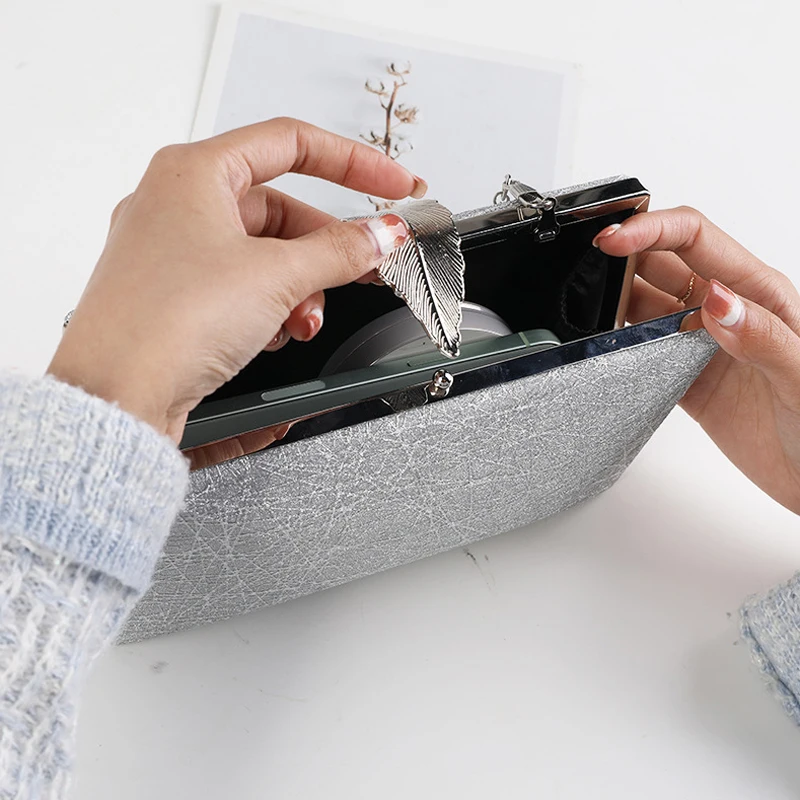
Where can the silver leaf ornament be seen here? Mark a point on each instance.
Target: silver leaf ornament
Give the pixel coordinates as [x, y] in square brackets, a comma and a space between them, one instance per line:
[427, 272]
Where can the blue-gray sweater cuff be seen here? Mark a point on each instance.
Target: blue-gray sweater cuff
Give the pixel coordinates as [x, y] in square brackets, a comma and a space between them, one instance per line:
[85, 478]
[771, 626]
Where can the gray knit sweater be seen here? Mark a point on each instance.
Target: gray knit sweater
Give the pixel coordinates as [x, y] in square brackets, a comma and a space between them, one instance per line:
[87, 497]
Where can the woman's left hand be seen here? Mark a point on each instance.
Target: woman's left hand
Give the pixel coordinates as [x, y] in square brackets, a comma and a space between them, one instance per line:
[748, 397]
[204, 267]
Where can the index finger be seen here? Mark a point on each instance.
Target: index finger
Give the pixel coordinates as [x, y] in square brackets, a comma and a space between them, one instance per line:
[704, 247]
[260, 152]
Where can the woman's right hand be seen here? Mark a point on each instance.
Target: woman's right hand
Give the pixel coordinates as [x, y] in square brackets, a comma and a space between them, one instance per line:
[748, 398]
[204, 267]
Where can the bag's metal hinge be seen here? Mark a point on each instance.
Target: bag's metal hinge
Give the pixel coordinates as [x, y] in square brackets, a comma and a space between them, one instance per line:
[532, 206]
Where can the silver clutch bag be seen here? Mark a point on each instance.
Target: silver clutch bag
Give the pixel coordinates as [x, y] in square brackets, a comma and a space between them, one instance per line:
[402, 452]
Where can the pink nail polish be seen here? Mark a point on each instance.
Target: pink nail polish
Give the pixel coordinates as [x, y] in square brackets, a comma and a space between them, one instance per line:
[606, 232]
[282, 430]
[278, 340]
[420, 188]
[388, 231]
[314, 322]
[723, 305]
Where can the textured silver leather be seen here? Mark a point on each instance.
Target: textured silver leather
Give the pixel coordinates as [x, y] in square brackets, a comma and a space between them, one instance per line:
[325, 510]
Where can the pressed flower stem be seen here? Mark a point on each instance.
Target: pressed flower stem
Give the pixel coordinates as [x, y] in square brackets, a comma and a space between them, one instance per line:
[385, 142]
[387, 139]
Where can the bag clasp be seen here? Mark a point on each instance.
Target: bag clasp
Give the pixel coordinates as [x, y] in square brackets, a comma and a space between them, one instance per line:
[531, 205]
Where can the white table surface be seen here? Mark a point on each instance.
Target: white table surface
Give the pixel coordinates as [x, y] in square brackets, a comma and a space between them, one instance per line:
[592, 655]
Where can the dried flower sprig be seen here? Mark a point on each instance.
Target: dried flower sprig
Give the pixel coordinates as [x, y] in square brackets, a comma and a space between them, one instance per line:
[390, 141]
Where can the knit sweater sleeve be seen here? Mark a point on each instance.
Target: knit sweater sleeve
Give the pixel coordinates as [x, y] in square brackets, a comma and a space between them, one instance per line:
[87, 496]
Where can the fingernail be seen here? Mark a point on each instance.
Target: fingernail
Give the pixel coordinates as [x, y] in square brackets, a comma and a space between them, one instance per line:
[282, 430]
[314, 322]
[420, 188]
[387, 231]
[692, 322]
[279, 340]
[606, 232]
[723, 305]
[278, 336]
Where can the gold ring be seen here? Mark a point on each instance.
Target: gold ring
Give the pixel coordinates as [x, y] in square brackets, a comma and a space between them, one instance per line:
[689, 290]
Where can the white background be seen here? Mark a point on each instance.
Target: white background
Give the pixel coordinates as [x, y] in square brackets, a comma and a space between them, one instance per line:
[592, 655]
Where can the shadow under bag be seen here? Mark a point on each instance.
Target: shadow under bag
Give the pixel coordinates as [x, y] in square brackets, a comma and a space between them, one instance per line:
[400, 452]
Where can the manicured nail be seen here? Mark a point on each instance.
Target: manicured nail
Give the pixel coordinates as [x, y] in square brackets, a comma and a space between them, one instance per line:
[278, 336]
[723, 305]
[282, 430]
[606, 232]
[388, 231]
[692, 322]
[279, 340]
[314, 322]
[420, 188]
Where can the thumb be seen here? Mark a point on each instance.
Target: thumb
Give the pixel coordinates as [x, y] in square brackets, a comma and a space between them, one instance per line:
[342, 252]
[752, 335]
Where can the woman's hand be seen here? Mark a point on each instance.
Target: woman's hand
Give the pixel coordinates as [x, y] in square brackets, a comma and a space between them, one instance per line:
[748, 398]
[204, 267]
